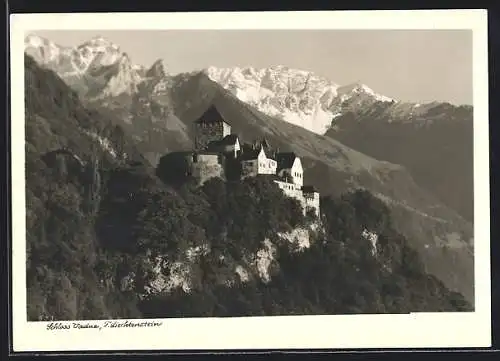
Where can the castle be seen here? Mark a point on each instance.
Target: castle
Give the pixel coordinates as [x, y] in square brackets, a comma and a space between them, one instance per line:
[218, 152]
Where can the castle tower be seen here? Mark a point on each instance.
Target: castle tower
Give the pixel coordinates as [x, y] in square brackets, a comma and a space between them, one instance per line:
[210, 127]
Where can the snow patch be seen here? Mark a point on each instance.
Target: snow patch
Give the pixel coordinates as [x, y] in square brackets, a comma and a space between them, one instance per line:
[90, 60]
[296, 96]
[104, 143]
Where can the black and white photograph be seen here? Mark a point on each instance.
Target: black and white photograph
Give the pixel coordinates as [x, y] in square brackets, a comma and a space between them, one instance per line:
[240, 173]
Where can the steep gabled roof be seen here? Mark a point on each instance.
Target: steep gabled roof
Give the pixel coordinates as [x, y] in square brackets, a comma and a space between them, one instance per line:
[250, 154]
[285, 160]
[218, 145]
[229, 139]
[211, 115]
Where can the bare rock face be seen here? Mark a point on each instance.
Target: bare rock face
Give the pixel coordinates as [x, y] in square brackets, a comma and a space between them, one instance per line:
[296, 96]
[354, 154]
[157, 70]
[96, 68]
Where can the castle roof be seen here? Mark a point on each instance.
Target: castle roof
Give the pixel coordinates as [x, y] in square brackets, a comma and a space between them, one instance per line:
[227, 140]
[211, 115]
[218, 145]
[285, 160]
[249, 154]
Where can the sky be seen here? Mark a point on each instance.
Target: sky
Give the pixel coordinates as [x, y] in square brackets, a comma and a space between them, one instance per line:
[408, 65]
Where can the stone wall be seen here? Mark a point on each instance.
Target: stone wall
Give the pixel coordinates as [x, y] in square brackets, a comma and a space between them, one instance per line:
[226, 129]
[307, 201]
[266, 166]
[208, 132]
[203, 171]
[209, 159]
[311, 201]
[249, 168]
[291, 190]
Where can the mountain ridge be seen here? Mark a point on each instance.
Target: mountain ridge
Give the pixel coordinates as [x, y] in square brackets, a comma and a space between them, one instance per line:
[107, 239]
[180, 99]
[293, 95]
[339, 169]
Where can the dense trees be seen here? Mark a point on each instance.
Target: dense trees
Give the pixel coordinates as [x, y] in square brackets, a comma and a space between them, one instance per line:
[338, 274]
[96, 219]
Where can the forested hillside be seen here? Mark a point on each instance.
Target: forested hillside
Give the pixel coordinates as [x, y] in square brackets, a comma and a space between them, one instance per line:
[107, 237]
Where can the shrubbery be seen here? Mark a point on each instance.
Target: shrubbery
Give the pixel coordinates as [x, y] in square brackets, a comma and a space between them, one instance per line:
[91, 225]
[338, 274]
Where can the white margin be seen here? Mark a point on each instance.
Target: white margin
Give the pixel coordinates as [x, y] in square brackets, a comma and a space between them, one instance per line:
[290, 332]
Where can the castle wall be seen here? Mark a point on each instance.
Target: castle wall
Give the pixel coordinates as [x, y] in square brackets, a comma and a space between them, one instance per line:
[307, 200]
[261, 165]
[312, 201]
[266, 166]
[249, 168]
[206, 132]
[297, 172]
[234, 148]
[209, 159]
[291, 190]
[204, 171]
[206, 166]
[226, 129]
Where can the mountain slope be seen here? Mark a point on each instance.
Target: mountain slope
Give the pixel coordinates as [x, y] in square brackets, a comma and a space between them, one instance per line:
[442, 237]
[433, 140]
[69, 150]
[296, 96]
[66, 123]
[434, 143]
[96, 68]
[106, 239]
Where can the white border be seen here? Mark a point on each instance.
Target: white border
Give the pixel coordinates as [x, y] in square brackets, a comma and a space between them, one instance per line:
[292, 332]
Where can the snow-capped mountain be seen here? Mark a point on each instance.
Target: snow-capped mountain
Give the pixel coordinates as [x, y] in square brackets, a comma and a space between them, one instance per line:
[296, 96]
[97, 68]
[331, 166]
